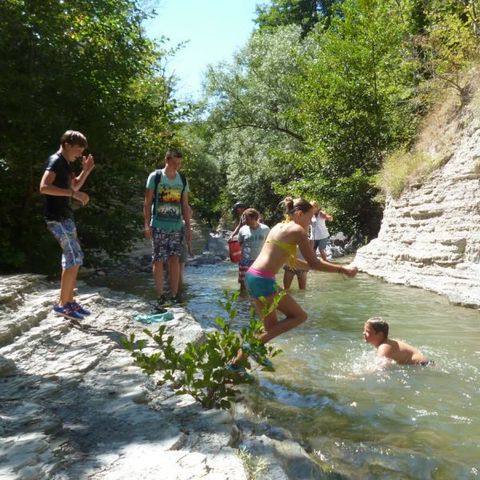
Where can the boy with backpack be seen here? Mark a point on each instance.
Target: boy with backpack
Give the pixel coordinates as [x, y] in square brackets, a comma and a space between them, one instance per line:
[167, 223]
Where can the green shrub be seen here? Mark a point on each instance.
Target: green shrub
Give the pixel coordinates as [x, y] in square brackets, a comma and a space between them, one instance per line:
[201, 370]
[402, 169]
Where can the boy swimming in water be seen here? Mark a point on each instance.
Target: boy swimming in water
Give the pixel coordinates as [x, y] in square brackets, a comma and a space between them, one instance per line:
[375, 331]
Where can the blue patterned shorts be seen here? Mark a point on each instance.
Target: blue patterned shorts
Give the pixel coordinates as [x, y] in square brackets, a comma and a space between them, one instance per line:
[65, 232]
[166, 244]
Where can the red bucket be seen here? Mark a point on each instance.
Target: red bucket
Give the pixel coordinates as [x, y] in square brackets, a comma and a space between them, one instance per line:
[235, 250]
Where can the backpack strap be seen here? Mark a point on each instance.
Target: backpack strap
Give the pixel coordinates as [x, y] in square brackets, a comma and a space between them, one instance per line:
[184, 181]
[158, 178]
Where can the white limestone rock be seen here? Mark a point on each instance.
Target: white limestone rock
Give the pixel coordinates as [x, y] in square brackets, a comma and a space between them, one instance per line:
[430, 236]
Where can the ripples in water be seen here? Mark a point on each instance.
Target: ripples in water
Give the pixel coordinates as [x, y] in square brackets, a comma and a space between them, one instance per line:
[330, 389]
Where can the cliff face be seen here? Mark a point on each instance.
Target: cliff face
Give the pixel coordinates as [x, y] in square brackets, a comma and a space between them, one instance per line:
[430, 236]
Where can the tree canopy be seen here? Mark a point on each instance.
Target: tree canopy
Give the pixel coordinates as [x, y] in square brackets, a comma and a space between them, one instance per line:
[324, 91]
[88, 66]
[304, 13]
[321, 94]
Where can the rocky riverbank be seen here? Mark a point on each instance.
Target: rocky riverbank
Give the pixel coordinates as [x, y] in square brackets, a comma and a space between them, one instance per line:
[430, 235]
[73, 405]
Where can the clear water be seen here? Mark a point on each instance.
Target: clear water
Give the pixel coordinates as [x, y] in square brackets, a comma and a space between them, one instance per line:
[407, 422]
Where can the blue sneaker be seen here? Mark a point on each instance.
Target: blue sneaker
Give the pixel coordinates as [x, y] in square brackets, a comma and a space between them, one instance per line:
[79, 309]
[67, 311]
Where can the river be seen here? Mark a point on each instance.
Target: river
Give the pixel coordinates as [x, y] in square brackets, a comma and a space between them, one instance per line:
[364, 421]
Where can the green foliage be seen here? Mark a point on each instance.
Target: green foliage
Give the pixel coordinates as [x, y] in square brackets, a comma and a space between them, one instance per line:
[201, 370]
[250, 119]
[450, 42]
[324, 92]
[402, 168]
[355, 95]
[318, 120]
[205, 176]
[85, 65]
[304, 13]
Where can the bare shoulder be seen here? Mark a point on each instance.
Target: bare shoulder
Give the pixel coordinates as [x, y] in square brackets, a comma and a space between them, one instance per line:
[386, 350]
[287, 229]
[294, 227]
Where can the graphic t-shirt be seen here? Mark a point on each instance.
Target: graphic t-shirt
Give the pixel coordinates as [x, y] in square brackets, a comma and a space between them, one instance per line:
[167, 214]
[252, 241]
[56, 207]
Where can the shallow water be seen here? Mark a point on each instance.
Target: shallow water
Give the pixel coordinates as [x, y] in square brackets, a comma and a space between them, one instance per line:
[404, 422]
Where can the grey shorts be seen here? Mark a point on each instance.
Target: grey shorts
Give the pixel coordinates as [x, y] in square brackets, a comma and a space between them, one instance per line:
[65, 232]
[321, 244]
[166, 244]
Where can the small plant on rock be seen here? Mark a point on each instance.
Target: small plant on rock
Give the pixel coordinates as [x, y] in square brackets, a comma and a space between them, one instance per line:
[204, 370]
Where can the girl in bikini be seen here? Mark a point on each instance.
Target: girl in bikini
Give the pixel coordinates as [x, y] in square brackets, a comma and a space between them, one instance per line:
[280, 248]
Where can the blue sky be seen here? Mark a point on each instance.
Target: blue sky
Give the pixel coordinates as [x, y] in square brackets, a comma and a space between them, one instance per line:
[215, 29]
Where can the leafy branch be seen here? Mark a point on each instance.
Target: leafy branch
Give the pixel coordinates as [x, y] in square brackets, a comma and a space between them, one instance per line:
[203, 370]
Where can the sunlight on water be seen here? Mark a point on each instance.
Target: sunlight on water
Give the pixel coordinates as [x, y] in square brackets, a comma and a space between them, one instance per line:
[366, 420]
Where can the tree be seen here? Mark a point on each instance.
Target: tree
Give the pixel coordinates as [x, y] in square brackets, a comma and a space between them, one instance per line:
[205, 176]
[85, 65]
[303, 13]
[449, 42]
[254, 133]
[354, 92]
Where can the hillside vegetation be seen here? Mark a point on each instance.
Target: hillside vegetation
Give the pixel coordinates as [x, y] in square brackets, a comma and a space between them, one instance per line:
[433, 146]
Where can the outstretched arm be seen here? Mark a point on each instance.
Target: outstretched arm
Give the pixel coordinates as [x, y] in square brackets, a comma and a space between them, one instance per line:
[318, 263]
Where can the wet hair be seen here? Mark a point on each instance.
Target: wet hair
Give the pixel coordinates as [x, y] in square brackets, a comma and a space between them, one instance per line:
[251, 213]
[173, 153]
[379, 325]
[72, 137]
[299, 204]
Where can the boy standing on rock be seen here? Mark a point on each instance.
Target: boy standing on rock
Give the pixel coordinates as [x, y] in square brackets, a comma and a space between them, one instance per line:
[167, 223]
[59, 184]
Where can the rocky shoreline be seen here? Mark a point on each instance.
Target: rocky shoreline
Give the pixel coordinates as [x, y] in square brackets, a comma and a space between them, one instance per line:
[73, 404]
[430, 235]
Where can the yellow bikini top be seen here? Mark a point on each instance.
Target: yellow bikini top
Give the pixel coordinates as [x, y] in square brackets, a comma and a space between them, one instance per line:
[290, 248]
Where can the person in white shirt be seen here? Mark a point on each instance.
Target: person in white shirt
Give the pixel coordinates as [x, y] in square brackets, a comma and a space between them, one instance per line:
[319, 231]
[251, 238]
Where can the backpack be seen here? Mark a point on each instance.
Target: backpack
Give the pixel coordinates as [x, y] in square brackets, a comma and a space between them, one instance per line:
[158, 178]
